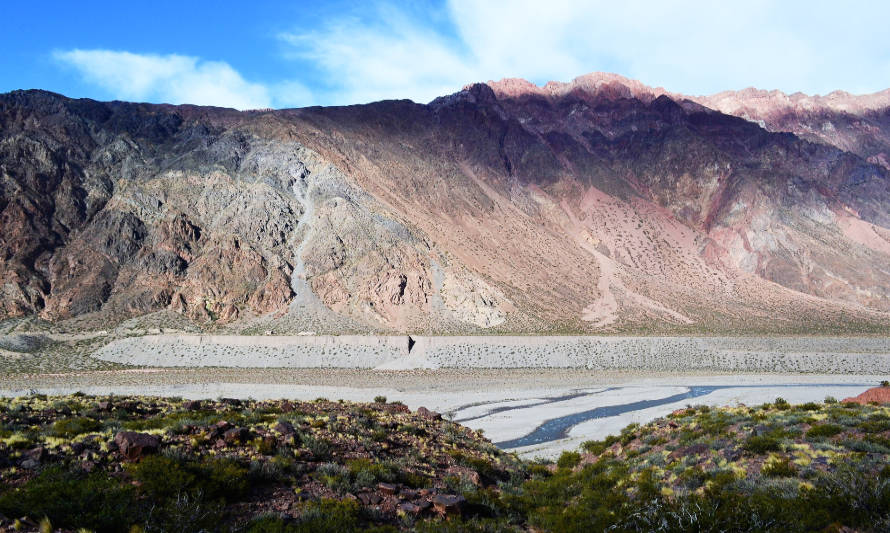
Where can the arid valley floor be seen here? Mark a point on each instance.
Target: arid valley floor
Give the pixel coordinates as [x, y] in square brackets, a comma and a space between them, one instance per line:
[536, 396]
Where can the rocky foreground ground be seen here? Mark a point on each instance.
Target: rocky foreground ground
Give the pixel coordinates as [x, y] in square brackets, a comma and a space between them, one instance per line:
[151, 464]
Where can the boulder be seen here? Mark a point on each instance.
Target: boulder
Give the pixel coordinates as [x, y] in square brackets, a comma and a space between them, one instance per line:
[369, 498]
[236, 435]
[38, 454]
[285, 428]
[133, 445]
[426, 413]
[387, 488]
[448, 504]
[410, 508]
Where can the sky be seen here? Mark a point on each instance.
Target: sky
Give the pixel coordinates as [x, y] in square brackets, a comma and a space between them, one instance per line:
[264, 53]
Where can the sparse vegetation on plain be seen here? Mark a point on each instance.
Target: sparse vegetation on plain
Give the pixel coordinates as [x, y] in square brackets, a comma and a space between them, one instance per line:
[106, 464]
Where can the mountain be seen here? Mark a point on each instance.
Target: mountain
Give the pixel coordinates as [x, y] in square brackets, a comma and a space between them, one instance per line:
[599, 205]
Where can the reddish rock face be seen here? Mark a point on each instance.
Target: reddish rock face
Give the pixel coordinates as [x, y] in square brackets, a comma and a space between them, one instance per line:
[600, 205]
[876, 394]
[133, 445]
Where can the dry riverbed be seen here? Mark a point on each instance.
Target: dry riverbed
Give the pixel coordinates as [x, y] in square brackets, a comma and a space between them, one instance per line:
[558, 407]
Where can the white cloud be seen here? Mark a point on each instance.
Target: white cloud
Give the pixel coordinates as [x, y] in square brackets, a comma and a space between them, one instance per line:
[177, 79]
[692, 46]
[689, 46]
[396, 59]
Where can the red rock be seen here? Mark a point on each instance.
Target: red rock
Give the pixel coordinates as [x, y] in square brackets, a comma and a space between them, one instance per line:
[133, 445]
[876, 394]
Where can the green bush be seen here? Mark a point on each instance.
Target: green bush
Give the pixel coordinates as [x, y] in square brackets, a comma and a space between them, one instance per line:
[760, 444]
[875, 426]
[325, 516]
[318, 447]
[824, 431]
[568, 460]
[596, 447]
[71, 427]
[163, 478]
[779, 468]
[70, 500]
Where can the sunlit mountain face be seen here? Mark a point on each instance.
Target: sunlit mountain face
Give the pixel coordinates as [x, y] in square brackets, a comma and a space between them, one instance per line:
[599, 205]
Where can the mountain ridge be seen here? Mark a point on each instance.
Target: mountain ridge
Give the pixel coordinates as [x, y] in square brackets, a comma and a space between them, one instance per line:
[646, 214]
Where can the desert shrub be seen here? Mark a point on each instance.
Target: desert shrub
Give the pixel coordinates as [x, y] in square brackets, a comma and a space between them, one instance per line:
[484, 467]
[72, 500]
[379, 399]
[654, 440]
[472, 525]
[629, 433]
[325, 516]
[809, 406]
[778, 467]
[186, 513]
[830, 400]
[824, 431]
[568, 460]
[318, 447]
[596, 447]
[866, 446]
[875, 426]
[759, 444]
[716, 423]
[71, 427]
[781, 404]
[335, 476]
[164, 478]
[538, 471]
[693, 478]
[264, 446]
[222, 478]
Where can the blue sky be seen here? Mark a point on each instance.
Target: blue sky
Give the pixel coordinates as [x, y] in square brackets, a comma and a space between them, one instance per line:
[265, 53]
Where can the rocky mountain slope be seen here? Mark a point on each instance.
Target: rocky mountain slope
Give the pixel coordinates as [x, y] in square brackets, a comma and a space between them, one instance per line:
[600, 205]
